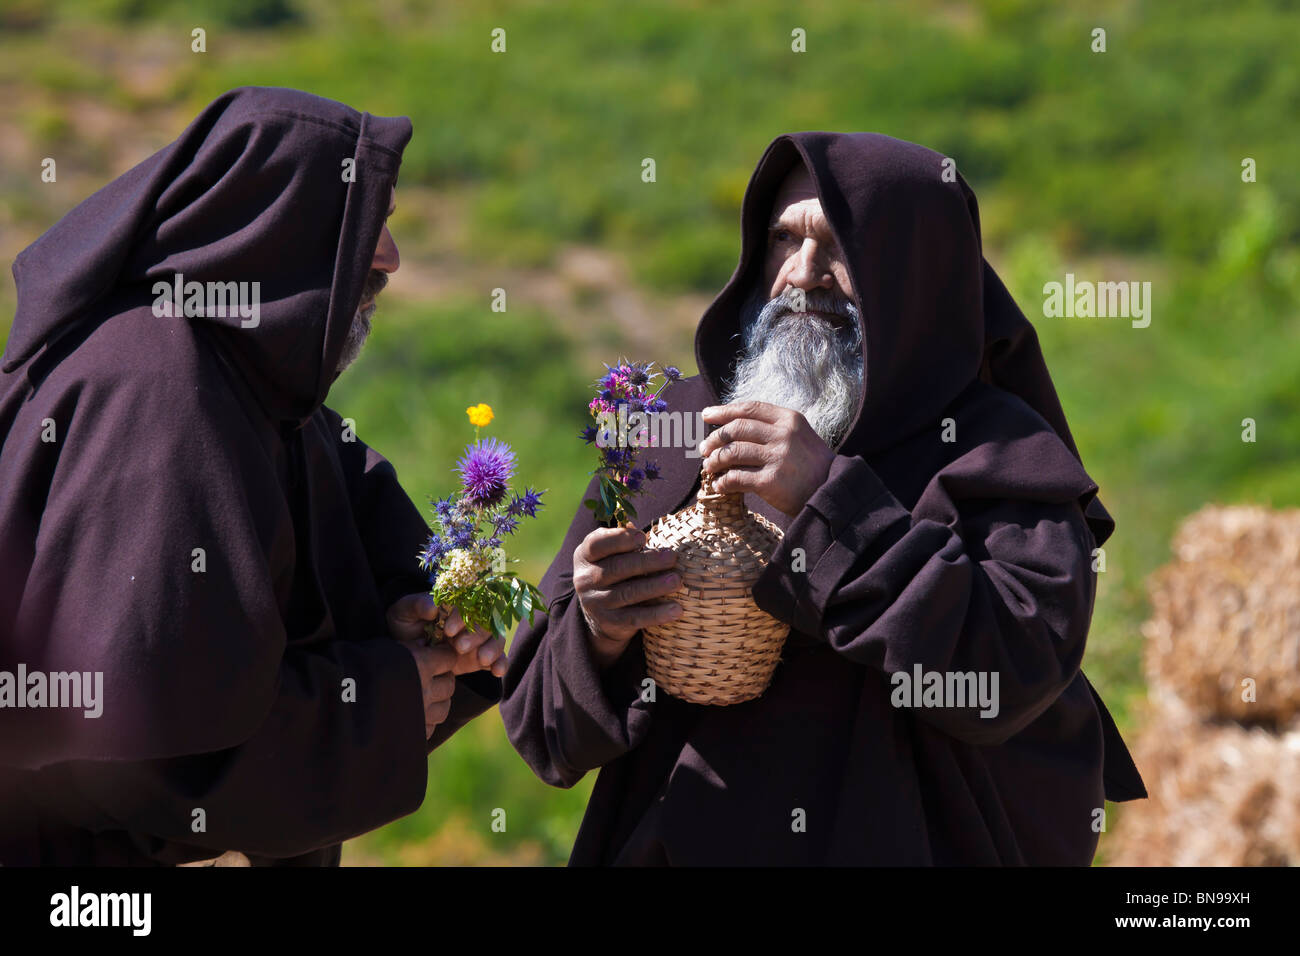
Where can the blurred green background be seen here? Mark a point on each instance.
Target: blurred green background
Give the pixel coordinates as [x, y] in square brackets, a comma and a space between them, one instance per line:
[525, 175]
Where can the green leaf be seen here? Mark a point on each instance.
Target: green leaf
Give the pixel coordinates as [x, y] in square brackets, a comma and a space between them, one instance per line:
[522, 602]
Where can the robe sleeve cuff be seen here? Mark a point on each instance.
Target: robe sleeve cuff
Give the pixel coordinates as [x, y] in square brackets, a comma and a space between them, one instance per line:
[399, 587]
[843, 519]
[607, 697]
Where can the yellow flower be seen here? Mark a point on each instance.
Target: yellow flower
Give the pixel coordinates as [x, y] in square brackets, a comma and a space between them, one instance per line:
[479, 414]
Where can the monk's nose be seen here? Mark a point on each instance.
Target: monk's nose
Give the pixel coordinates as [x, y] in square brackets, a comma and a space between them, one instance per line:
[808, 270]
[386, 257]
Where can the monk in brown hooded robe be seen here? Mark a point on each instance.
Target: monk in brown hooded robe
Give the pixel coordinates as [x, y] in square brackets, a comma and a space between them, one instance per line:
[880, 397]
[188, 530]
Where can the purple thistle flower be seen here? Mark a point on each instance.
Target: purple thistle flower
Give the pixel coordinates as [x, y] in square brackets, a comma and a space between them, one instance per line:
[588, 434]
[652, 471]
[672, 373]
[634, 479]
[463, 536]
[485, 472]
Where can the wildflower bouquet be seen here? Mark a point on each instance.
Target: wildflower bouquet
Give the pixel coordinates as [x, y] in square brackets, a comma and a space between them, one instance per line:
[625, 397]
[464, 557]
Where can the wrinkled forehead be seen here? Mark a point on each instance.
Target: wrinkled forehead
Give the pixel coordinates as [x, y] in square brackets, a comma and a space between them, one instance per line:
[796, 187]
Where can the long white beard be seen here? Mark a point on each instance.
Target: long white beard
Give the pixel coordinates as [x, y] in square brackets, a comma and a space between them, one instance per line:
[809, 364]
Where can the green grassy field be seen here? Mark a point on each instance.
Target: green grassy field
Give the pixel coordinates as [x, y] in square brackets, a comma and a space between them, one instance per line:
[1122, 165]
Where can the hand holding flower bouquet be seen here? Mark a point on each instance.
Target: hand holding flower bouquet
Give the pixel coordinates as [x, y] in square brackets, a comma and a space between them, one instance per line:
[464, 556]
[625, 395]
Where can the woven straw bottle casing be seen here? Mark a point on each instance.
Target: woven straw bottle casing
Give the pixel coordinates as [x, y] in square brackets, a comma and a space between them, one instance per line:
[723, 649]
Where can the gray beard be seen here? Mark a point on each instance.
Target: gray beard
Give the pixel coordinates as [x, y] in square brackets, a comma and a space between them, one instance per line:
[810, 364]
[360, 328]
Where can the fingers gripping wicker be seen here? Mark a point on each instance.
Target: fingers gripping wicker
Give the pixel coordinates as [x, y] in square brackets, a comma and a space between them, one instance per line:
[723, 649]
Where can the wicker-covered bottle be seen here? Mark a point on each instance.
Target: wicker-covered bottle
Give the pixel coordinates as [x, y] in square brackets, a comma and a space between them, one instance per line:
[723, 649]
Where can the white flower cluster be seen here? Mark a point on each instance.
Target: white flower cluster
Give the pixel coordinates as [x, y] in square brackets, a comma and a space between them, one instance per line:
[460, 568]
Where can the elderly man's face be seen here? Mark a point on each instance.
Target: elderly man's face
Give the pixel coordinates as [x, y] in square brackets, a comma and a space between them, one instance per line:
[802, 344]
[801, 250]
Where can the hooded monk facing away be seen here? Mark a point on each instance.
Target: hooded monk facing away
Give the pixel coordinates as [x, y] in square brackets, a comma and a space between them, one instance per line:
[185, 523]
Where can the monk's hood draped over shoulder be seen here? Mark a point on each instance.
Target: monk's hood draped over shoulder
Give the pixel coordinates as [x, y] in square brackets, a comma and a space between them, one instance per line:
[935, 316]
[225, 203]
[269, 185]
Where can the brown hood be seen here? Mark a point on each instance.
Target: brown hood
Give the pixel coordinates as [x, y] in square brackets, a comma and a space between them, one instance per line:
[253, 190]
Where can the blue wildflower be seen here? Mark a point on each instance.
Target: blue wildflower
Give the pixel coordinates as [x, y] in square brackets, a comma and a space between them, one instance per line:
[431, 552]
[532, 500]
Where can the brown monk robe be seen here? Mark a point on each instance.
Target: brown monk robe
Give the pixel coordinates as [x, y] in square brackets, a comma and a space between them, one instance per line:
[201, 531]
[968, 555]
